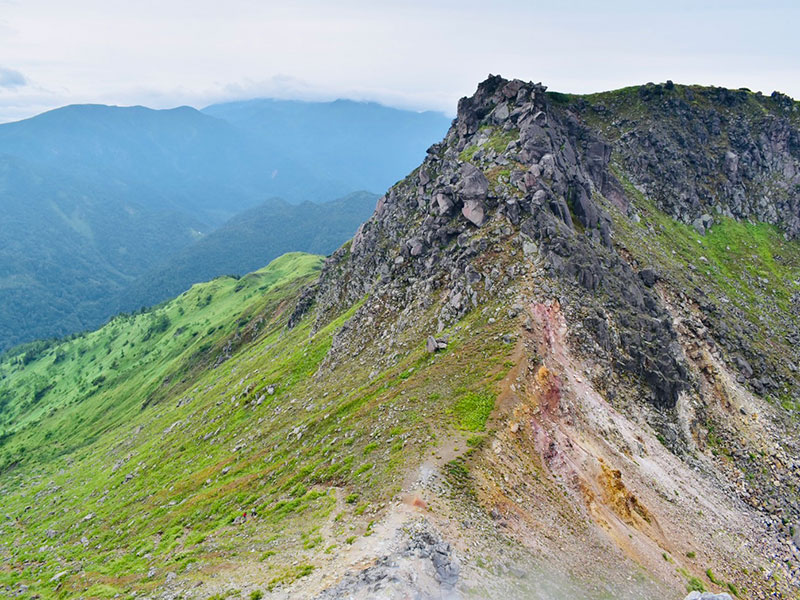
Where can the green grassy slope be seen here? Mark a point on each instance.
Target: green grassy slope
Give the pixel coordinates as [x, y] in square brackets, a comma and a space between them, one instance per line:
[116, 482]
[745, 275]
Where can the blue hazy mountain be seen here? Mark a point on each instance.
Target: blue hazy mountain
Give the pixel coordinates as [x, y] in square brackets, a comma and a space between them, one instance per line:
[215, 163]
[93, 197]
[67, 246]
[345, 144]
[178, 159]
[249, 241]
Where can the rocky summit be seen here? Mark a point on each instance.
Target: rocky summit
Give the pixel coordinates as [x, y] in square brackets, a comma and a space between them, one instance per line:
[560, 360]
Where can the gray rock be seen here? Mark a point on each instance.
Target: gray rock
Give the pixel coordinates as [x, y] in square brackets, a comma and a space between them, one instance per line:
[474, 211]
[416, 246]
[472, 275]
[648, 277]
[58, 576]
[430, 344]
[473, 185]
[707, 596]
[744, 367]
[444, 202]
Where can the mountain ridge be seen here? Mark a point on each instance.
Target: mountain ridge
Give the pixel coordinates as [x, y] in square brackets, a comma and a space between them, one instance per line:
[523, 377]
[250, 239]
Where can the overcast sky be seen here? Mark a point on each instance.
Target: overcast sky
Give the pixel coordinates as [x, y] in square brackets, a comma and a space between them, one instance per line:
[410, 53]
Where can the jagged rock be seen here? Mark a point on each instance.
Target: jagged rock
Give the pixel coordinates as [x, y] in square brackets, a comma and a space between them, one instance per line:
[416, 246]
[648, 277]
[472, 274]
[703, 223]
[433, 344]
[473, 185]
[430, 344]
[444, 202]
[474, 211]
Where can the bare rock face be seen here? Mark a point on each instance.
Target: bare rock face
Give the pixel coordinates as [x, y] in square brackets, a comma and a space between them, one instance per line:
[524, 187]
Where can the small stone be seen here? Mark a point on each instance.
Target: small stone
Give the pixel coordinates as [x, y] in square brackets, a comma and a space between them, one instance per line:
[58, 576]
[431, 345]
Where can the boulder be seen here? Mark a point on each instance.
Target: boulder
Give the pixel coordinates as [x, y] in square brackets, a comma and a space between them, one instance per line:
[474, 211]
[431, 345]
[474, 185]
[444, 202]
[648, 277]
[415, 246]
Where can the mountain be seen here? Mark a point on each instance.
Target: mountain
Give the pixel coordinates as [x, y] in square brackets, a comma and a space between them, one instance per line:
[95, 196]
[67, 247]
[178, 159]
[216, 163]
[558, 361]
[336, 142]
[251, 239]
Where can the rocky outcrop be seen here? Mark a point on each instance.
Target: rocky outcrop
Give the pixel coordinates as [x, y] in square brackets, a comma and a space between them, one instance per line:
[701, 153]
[513, 168]
[422, 566]
[523, 188]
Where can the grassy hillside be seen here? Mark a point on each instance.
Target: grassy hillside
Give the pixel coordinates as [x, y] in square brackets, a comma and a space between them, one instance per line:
[138, 459]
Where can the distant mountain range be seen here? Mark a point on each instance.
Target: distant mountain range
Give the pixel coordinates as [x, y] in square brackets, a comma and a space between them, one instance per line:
[93, 197]
[249, 241]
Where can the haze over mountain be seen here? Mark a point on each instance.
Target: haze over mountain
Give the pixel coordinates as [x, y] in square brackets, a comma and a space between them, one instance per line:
[354, 145]
[250, 240]
[94, 196]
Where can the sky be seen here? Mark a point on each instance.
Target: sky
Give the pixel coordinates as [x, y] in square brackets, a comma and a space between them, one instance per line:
[409, 54]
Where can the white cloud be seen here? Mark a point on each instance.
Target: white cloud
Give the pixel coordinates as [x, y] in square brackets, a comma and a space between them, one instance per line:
[11, 78]
[412, 54]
